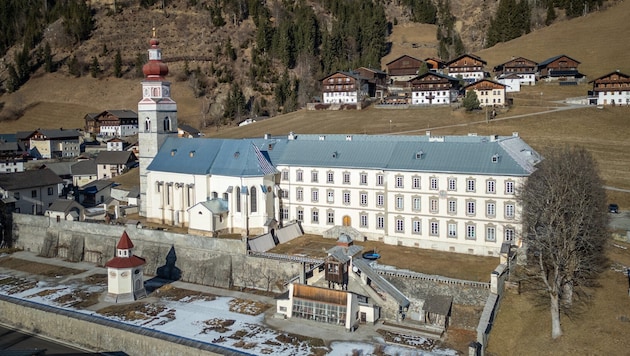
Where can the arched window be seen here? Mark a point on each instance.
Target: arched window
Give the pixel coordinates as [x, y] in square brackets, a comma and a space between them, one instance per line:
[167, 124]
[147, 125]
[238, 199]
[253, 202]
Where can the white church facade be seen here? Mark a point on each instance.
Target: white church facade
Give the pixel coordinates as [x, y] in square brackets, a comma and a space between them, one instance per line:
[451, 193]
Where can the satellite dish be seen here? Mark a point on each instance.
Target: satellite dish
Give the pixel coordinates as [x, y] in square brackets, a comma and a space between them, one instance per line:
[355, 269]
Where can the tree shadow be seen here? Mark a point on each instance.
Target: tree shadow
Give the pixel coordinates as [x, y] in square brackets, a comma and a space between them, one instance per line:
[165, 274]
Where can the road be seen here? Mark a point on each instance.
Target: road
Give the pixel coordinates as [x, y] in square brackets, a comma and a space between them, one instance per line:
[550, 110]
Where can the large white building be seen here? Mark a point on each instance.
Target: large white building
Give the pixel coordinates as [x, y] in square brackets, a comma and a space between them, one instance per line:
[451, 193]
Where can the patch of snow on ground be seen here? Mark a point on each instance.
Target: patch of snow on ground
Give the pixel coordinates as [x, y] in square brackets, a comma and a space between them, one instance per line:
[194, 319]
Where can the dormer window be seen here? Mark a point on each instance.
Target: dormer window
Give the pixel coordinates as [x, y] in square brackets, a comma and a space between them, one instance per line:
[173, 152]
[419, 154]
[495, 158]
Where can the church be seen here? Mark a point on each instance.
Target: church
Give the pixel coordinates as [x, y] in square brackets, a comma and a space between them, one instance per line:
[450, 193]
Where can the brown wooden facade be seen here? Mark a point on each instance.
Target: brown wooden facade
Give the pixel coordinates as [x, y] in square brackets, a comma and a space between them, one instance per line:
[561, 64]
[516, 65]
[435, 64]
[403, 65]
[433, 82]
[341, 82]
[614, 81]
[94, 121]
[465, 63]
[336, 271]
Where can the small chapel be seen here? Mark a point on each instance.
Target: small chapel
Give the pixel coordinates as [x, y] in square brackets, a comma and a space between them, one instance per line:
[125, 280]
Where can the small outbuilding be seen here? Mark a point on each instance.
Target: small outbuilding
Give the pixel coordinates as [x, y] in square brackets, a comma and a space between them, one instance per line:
[125, 277]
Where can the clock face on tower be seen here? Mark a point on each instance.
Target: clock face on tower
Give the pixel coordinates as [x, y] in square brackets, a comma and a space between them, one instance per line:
[165, 92]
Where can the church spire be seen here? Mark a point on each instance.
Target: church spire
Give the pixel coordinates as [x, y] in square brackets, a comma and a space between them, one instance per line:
[155, 69]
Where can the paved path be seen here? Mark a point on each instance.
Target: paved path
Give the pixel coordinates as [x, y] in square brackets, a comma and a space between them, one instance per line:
[548, 111]
[326, 332]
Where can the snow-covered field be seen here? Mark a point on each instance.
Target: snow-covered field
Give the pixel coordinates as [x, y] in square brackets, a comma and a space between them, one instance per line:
[209, 321]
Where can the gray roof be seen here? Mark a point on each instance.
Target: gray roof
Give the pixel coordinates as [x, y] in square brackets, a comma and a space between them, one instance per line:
[64, 205]
[58, 134]
[29, 179]
[438, 304]
[60, 168]
[489, 155]
[85, 167]
[191, 130]
[209, 156]
[97, 185]
[124, 114]
[215, 206]
[381, 282]
[343, 254]
[114, 157]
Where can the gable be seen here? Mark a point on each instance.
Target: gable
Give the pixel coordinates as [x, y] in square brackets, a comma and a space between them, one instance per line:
[466, 60]
[485, 85]
[404, 61]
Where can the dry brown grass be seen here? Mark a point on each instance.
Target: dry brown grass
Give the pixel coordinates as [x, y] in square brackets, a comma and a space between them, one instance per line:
[37, 268]
[523, 324]
[454, 265]
[589, 39]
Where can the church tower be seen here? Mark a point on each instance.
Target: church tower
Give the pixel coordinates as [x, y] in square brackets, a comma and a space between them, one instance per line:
[157, 114]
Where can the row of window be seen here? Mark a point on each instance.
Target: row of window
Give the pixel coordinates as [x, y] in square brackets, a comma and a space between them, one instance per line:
[400, 225]
[49, 190]
[167, 125]
[487, 92]
[416, 202]
[416, 182]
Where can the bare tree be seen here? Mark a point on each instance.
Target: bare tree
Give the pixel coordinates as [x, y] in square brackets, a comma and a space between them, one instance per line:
[564, 226]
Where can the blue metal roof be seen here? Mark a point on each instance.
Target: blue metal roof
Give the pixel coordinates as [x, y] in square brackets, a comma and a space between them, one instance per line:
[210, 156]
[490, 155]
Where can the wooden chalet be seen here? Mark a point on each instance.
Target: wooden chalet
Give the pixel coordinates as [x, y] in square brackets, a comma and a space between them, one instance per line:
[560, 68]
[611, 89]
[112, 123]
[489, 92]
[344, 88]
[523, 67]
[435, 64]
[403, 68]
[434, 88]
[376, 80]
[516, 65]
[467, 66]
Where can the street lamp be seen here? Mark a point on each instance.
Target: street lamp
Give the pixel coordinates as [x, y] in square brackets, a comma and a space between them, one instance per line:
[390, 125]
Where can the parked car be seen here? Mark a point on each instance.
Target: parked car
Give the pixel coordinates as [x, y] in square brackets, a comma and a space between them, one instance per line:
[613, 208]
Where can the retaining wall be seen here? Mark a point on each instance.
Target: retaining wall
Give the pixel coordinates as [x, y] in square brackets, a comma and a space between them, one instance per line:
[198, 259]
[96, 333]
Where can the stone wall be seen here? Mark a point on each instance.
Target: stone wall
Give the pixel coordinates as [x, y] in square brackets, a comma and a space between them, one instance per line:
[96, 333]
[198, 259]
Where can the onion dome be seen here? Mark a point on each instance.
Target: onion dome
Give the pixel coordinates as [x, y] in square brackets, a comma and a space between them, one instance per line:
[155, 69]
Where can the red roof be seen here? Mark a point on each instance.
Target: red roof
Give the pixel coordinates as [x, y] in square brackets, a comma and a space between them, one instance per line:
[125, 262]
[125, 242]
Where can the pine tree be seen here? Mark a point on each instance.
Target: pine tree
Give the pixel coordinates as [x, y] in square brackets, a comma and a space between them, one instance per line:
[74, 66]
[118, 64]
[95, 67]
[140, 60]
[13, 82]
[471, 101]
[48, 59]
[551, 14]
